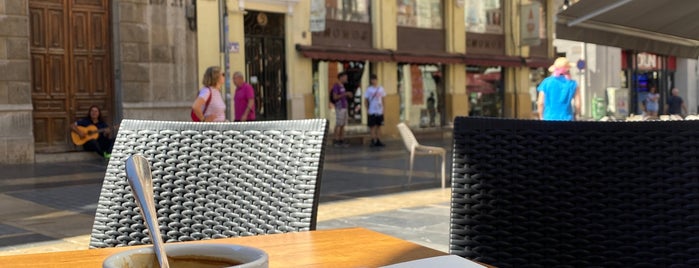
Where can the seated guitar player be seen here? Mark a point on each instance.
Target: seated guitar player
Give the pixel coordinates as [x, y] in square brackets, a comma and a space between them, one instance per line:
[93, 133]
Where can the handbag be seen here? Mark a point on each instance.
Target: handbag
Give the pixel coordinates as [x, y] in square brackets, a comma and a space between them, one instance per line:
[194, 116]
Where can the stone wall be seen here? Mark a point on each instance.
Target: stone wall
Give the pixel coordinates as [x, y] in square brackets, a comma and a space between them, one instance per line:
[16, 138]
[158, 60]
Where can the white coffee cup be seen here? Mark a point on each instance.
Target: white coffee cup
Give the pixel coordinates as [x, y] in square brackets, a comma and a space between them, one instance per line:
[247, 257]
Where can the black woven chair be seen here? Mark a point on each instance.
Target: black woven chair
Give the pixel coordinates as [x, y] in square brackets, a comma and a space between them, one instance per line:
[214, 180]
[576, 194]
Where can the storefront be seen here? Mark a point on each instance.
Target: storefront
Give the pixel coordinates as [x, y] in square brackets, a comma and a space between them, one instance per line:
[641, 71]
[344, 44]
[421, 91]
[486, 90]
[422, 56]
[486, 58]
[325, 77]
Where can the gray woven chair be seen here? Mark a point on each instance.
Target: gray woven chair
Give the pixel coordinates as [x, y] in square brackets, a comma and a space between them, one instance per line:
[214, 180]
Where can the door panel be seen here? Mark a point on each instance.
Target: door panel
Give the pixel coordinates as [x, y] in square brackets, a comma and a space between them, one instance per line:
[99, 35]
[79, 27]
[38, 74]
[36, 24]
[92, 3]
[80, 80]
[56, 76]
[100, 67]
[56, 29]
[71, 66]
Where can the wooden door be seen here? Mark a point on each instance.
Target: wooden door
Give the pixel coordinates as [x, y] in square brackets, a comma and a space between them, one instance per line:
[71, 66]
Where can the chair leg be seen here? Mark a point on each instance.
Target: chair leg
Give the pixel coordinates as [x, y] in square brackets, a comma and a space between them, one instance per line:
[410, 171]
[443, 168]
[436, 166]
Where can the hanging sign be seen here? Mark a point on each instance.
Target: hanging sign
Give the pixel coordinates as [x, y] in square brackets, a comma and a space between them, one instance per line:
[530, 16]
[317, 15]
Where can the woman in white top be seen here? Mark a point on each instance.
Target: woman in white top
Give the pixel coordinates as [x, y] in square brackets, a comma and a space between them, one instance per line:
[215, 111]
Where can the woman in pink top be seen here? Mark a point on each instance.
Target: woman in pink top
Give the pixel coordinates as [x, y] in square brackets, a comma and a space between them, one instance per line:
[215, 110]
[244, 99]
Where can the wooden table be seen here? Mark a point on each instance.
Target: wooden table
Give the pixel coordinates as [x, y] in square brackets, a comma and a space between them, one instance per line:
[353, 247]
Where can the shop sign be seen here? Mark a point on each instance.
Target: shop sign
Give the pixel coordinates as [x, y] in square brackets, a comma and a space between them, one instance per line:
[344, 34]
[647, 61]
[317, 15]
[485, 44]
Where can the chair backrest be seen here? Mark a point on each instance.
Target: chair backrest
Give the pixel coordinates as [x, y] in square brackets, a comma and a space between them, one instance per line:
[214, 180]
[407, 135]
[531, 193]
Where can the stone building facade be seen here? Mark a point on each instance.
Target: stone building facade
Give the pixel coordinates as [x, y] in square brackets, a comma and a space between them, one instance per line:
[133, 58]
[16, 138]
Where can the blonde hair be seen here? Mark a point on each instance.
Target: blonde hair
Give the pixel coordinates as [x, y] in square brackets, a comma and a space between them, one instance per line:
[211, 76]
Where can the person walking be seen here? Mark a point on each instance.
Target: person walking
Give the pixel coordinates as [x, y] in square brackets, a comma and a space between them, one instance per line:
[339, 97]
[675, 104]
[100, 139]
[651, 103]
[559, 97]
[374, 100]
[244, 99]
[209, 105]
[431, 108]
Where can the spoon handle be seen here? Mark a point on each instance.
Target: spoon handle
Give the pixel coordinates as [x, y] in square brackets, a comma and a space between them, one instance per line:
[140, 179]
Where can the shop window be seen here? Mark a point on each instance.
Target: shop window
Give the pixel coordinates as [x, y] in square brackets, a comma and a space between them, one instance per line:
[421, 93]
[486, 92]
[420, 13]
[354, 70]
[484, 16]
[348, 10]
[324, 78]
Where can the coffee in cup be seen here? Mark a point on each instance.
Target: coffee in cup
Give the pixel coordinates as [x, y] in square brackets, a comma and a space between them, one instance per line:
[191, 255]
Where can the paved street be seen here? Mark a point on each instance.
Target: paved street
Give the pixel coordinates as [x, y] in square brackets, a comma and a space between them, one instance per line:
[50, 206]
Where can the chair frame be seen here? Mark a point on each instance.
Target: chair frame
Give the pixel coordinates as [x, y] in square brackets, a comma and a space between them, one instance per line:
[214, 180]
[530, 193]
[415, 148]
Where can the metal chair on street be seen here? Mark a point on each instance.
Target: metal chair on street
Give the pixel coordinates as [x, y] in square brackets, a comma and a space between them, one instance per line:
[214, 180]
[415, 148]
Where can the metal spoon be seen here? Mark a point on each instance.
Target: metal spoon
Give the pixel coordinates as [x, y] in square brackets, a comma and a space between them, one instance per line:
[141, 182]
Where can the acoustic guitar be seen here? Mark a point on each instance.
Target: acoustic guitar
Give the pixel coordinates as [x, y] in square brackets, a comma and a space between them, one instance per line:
[91, 133]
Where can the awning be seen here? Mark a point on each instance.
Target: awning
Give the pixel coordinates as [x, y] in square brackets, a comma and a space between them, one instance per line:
[661, 27]
[421, 58]
[493, 60]
[355, 54]
[343, 54]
